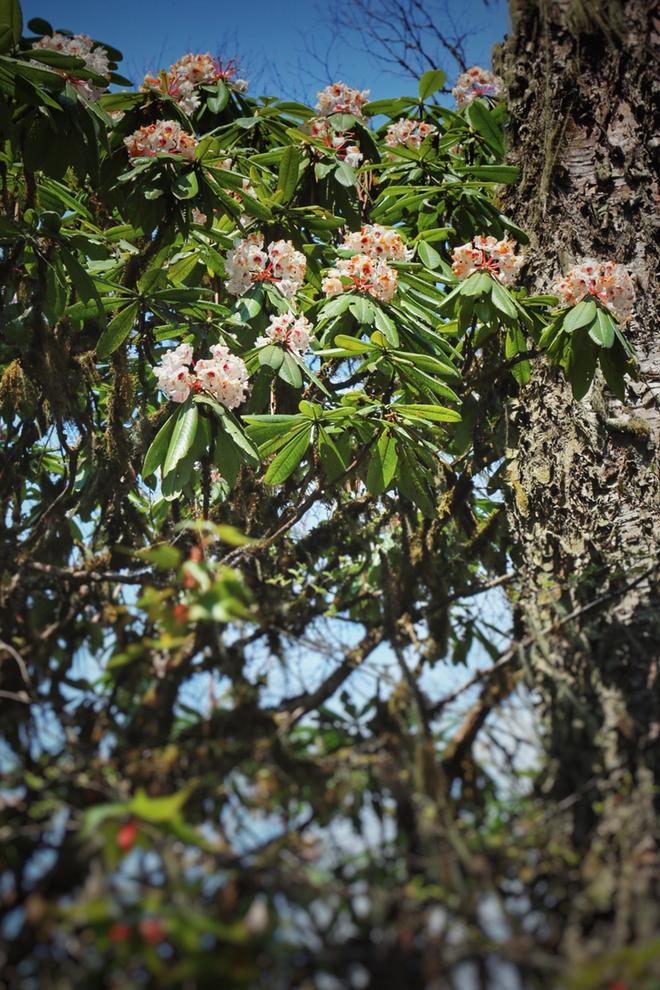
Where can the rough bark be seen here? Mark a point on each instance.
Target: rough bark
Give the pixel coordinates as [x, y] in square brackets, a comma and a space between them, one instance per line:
[584, 503]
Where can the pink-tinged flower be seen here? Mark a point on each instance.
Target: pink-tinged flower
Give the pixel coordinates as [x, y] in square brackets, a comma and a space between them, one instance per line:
[163, 137]
[362, 273]
[173, 373]
[223, 375]
[498, 258]
[188, 73]
[80, 46]
[606, 281]
[339, 98]
[290, 332]
[408, 133]
[474, 83]
[377, 241]
[320, 128]
[248, 263]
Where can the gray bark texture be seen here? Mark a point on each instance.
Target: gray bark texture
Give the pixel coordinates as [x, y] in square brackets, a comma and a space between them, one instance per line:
[584, 490]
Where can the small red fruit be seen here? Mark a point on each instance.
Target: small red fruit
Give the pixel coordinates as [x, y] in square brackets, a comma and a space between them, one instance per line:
[180, 613]
[119, 932]
[127, 835]
[151, 930]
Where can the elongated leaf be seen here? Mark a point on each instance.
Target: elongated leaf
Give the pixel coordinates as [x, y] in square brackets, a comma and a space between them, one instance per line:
[430, 83]
[428, 255]
[117, 331]
[290, 371]
[481, 119]
[183, 436]
[236, 433]
[363, 310]
[502, 300]
[287, 178]
[491, 173]
[353, 344]
[383, 464]
[157, 452]
[436, 414]
[345, 174]
[11, 24]
[289, 457]
[186, 186]
[602, 330]
[580, 315]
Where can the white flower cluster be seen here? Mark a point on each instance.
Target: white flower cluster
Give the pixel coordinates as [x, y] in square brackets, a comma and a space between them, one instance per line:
[320, 129]
[280, 264]
[368, 271]
[163, 137]
[339, 98]
[408, 133]
[189, 72]
[606, 281]
[498, 258]
[362, 274]
[293, 333]
[81, 46]
[474, 83]
[377, 241]
[223, 376]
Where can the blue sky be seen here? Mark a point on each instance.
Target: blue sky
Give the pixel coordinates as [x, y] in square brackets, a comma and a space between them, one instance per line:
[273, 38]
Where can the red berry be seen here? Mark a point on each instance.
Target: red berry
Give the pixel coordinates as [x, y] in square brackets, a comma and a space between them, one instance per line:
[151, 931]
[127, 835]
[119, 932]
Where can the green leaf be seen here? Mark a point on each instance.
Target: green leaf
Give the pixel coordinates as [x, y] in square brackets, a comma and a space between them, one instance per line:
[289, 457]
[155, 456]
[580, 315]
[581, 363]
[502, 299]
[387, 326]
[353, 344]
[183, 436]
[236, 433]
[290, 371]
[186, 185]
[602, 331]
[612, 365]
[430, 83]
[287, 177]
[477, 284]
[515, 344]
[481, 119]
[11, 24]
[272, 355]
[159, 810]
[490, 173]
[363, 310]
[218, 100]
[345, 174]
[428, 255]
[117, 331]
[383, 464]
[435, 414]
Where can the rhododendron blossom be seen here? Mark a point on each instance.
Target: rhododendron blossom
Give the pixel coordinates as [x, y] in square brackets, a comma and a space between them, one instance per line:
[163, 137]
[80, 46]
[408, 133]
[189, 72]
[320, 129]
[607, 281]
[498, 258]
[474, 83]
[339, 98]
[377, 241]
[280, 264]
[292, 332]
[223, 376]
[173, 373]
[362, 273]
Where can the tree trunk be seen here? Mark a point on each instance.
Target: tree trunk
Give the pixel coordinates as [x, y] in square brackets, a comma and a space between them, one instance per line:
[584, 493]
